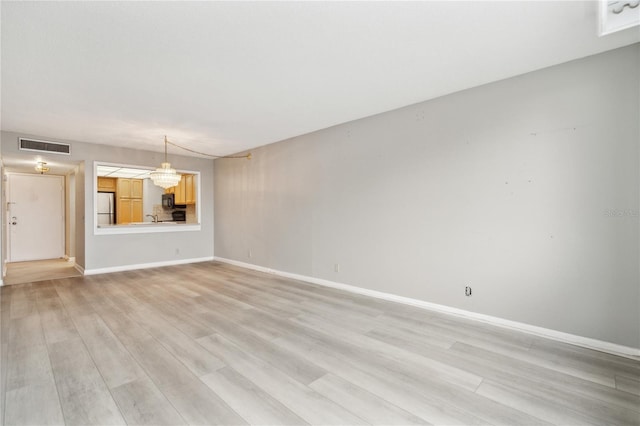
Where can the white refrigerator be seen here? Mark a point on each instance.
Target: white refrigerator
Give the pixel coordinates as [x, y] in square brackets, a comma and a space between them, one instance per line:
[106, 208]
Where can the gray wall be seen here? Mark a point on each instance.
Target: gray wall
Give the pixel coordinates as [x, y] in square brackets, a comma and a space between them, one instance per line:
[527, 190]
[3, 224]
[104, 251]
[82, 204]
[70, 215]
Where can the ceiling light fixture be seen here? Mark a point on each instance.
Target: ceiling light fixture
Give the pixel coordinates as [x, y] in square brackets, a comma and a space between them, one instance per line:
[41, 167]
[165, 176]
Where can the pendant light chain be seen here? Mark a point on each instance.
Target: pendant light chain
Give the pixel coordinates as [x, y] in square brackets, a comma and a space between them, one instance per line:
[166, 177]
[247, 156]
[165, 148]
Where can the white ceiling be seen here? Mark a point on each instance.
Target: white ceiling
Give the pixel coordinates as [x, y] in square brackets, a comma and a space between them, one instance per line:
[122, 172]
[222, 77]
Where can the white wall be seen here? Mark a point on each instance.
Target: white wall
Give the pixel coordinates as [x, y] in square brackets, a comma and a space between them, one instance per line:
[152, 196]
[95, 252]
[527, 190]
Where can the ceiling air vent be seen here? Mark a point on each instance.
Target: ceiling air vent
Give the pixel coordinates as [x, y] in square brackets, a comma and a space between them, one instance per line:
[618, 15]
[44, 146]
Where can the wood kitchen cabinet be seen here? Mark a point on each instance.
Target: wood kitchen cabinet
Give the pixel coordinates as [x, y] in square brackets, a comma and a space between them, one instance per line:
[189, 189]
[136, 188]
[185, 191]
[124, 188]
[129, 188]
[129, 206]
[106, 184]
[136, 210]
[180, 191]
[123, 211]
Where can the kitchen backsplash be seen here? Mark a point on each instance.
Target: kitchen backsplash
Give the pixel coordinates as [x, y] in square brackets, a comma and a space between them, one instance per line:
[192, 216]
[165, 214]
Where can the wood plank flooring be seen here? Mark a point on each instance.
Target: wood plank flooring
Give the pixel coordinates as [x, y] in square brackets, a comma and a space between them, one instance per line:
[39, 270]
[210, 343]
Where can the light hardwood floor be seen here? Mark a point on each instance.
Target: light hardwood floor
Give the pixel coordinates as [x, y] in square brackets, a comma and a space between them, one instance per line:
[210, 343]
[39, 270]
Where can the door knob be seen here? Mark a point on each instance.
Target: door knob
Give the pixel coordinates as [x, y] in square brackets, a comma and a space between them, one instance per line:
[14, 223]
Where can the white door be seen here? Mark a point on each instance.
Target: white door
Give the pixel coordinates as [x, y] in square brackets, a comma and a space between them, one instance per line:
[35, 217]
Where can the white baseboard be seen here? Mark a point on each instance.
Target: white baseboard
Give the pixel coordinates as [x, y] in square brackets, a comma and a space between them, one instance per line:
[560, 336]
[144, 265]
[69, 259]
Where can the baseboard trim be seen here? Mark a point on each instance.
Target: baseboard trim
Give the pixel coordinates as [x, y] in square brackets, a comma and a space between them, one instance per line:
[585, 342]
[78, 268]
[145, 265]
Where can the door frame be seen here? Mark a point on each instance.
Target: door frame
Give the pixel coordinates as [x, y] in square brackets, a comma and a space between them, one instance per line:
[8, 215]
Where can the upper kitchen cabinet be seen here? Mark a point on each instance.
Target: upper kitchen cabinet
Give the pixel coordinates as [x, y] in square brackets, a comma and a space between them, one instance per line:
[106, 184]
[124, 188]
[136, 188]
[185, 191]
[189, 189]
[129, 188]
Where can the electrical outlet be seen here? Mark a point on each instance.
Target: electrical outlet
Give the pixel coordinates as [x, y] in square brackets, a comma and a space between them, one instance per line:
[336, 267]
[467, 291]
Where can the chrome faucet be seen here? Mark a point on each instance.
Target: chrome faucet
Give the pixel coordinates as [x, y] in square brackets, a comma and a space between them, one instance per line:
[154, 217]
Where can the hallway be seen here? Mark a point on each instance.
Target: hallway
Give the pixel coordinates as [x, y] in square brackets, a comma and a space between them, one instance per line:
[39, 270]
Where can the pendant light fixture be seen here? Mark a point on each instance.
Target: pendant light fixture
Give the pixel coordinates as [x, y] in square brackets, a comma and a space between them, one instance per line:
[165, 176]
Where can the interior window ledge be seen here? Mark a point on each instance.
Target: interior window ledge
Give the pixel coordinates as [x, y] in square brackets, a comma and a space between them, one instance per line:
[145, 229]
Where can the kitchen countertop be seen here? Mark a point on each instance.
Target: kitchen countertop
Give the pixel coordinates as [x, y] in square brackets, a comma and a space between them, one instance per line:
[168, 222]
[146, 228]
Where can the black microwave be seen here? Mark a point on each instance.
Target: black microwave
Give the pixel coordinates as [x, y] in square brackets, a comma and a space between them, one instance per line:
[168, 201]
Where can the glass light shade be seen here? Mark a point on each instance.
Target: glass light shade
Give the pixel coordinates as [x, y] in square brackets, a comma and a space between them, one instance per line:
[41, 167]
[165, 176]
